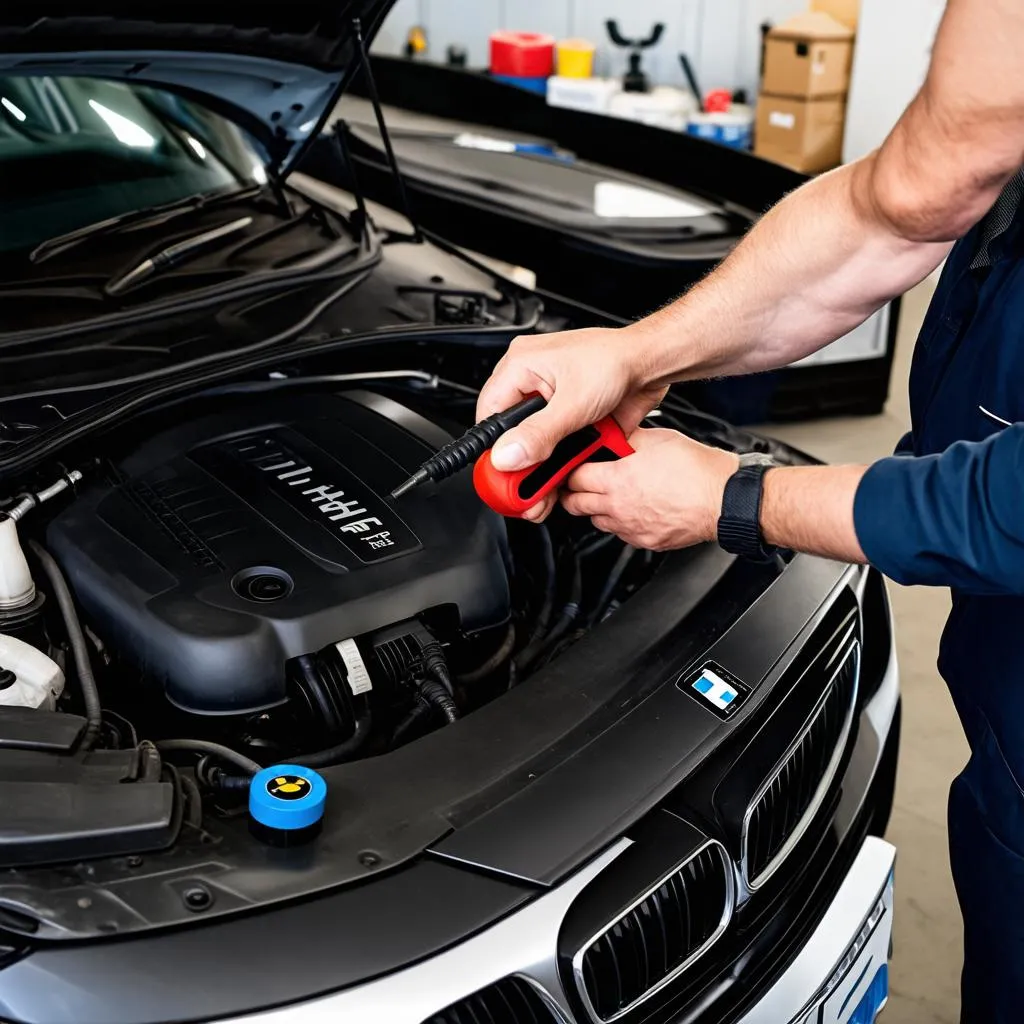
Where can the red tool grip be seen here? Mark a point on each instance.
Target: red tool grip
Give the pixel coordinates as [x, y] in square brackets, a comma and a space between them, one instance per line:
[511, 494]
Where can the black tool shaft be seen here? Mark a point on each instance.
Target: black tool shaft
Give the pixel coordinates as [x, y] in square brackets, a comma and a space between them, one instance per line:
[465, 450]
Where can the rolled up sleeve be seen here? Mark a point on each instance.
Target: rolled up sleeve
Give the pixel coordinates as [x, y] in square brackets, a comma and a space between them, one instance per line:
[955, 519]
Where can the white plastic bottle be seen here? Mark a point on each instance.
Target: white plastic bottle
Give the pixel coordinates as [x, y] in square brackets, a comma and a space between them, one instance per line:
[16, 586]
[38, 680]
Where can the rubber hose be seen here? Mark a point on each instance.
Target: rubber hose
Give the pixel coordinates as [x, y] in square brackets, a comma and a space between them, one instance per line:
[340, 752]
[193, 801]
[614, 579]
[495, 661]
[570, 612]
[226, 783]
[546, 608]
[217, 750]
[149, 762]
[440, 698]
[76, 638]
[420, 711]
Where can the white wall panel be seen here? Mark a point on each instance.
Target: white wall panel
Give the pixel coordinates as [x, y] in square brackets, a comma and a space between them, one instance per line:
[551, 16]
[467, 23]
[894, 43]
[392, 35]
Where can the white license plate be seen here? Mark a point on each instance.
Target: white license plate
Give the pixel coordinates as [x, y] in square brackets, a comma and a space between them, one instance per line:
[859, 987]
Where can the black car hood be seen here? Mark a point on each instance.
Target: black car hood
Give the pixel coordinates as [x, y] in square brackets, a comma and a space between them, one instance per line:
[274, 69]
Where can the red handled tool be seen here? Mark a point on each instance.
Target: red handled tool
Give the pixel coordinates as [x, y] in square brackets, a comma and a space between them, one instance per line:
[512, 494]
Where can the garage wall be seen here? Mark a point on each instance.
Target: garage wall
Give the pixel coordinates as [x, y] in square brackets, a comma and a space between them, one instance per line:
[721, 37]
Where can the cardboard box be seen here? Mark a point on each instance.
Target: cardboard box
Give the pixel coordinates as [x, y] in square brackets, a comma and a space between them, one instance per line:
[845, 11]
[806, 135]
[808, 56]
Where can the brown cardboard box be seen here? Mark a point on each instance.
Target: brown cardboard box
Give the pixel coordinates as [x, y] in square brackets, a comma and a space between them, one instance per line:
[845, 11]
[806, 135]
[807, 56]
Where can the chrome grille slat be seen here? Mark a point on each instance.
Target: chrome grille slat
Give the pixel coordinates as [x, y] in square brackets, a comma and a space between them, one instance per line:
[658, 936]
[787, 801]
[511, 1000]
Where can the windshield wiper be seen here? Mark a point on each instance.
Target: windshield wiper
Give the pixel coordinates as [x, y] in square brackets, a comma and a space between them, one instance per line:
[171, 255]
[60, 243]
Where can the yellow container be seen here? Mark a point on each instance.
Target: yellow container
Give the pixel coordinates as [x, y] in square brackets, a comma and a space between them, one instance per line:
[575, 58]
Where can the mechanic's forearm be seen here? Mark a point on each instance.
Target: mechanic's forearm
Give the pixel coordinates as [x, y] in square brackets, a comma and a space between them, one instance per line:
[813, 268]
[810, 509]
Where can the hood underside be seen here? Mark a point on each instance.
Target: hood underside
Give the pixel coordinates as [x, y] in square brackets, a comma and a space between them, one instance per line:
[275, 70]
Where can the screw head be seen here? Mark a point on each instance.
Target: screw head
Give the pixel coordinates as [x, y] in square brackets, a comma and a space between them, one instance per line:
[135, 861]
[197, 898]
[369, 859]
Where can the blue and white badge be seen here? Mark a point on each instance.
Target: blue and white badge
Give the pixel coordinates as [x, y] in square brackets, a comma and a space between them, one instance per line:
[715, 690]
[718, 690]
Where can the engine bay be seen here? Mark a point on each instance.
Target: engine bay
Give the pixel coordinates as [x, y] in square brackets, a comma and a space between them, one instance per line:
[228, 586]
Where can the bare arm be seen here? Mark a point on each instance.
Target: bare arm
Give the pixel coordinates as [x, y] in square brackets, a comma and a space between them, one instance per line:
[815, 266]
[837, 249]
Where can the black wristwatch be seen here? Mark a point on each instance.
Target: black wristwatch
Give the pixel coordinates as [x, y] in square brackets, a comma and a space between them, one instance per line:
[739, 526]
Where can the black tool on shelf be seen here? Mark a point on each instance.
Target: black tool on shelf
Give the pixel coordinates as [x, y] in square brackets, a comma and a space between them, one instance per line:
[634, 80]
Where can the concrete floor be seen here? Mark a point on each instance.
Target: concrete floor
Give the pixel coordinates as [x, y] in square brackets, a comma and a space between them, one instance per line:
[927, 958]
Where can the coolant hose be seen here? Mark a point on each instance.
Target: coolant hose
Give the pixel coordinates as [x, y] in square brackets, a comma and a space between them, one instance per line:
[340, 752]
[440, 698]
[76, 638]
[218, 750]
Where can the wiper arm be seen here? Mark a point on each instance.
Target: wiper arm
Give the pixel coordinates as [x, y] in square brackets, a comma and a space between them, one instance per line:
[171, 255]
[59, 243]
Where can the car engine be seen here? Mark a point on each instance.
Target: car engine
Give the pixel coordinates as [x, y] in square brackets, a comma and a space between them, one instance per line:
[246, 563]
[231, 580]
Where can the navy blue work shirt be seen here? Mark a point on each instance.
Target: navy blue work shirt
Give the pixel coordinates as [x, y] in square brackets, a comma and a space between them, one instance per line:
[948, 509]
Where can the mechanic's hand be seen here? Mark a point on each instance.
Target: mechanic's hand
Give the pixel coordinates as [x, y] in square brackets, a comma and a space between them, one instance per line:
[668, 495]
[584, 375]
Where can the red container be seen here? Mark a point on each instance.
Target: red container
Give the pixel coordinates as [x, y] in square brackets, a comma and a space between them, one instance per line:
[717, 101]
[523, 54]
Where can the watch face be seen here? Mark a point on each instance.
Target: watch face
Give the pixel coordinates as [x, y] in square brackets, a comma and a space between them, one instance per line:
[756, 459]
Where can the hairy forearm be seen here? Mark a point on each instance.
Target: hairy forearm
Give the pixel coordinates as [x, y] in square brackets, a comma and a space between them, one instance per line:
[810, 509]
[812, 269]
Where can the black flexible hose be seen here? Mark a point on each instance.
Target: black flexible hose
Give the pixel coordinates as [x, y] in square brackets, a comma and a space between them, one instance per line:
[548, 560]
[440, 698]
[217, 750]
[421, 710]
[340, 752]
[494, 662]
[532, 653]
[150, 764]
[614, 579]
[76, 638]
[193, 811]
[217, 778]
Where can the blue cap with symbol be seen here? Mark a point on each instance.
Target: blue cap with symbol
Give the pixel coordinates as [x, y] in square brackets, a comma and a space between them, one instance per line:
[287, 797]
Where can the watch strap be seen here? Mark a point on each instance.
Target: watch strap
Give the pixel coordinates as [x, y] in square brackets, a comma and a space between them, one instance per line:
[739, 525]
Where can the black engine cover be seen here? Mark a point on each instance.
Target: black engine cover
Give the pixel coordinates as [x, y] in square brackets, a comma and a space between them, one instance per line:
[242, 539]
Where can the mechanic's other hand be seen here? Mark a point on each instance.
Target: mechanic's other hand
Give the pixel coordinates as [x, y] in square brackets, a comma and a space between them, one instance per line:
[668, 495]
[584, 375]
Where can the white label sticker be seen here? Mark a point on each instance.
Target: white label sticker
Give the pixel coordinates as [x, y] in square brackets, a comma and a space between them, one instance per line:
[358, 678]
[818, 67]
[779, 119]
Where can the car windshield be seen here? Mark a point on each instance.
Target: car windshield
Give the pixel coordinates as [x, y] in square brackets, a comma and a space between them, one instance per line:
[75, 151]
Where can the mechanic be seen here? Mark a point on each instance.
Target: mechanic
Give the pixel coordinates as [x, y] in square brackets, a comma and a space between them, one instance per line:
[948, 510]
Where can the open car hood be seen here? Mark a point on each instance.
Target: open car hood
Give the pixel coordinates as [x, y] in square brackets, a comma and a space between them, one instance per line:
[275, 70]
